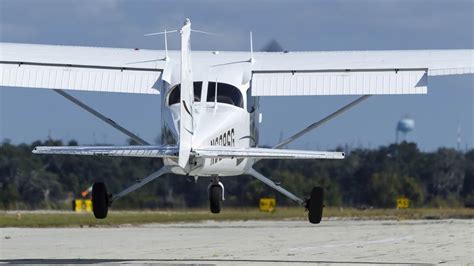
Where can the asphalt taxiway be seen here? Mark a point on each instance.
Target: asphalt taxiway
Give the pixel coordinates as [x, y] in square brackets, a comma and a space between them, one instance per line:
[247, 242]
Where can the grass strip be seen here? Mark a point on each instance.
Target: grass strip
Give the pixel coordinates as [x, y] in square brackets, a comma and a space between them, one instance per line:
[69, 219]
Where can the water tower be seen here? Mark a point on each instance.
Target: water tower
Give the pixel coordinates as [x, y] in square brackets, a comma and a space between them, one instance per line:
[404, 126]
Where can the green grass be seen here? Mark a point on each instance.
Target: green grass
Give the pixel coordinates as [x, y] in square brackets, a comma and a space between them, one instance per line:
[70, 219]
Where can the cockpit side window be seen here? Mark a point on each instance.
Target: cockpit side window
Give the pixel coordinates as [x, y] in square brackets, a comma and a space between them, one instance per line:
[175, 94]
[225, 94]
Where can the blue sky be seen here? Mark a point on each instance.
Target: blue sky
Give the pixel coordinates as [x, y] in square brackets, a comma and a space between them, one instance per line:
[29, 114]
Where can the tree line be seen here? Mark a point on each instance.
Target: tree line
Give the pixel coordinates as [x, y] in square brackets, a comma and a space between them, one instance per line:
[366, 178]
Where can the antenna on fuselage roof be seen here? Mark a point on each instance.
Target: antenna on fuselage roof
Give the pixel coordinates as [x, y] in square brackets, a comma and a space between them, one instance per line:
[166, 46]
[166, 40]
[251, 60]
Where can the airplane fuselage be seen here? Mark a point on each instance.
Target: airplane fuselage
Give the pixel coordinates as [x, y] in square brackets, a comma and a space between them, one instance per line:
[228, 120]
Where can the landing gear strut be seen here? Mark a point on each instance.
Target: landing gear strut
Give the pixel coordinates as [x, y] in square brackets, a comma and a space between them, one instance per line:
[216, 194]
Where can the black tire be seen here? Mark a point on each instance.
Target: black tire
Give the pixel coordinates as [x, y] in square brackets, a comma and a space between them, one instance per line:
[315, 205]
[100, 200]
[215, 198]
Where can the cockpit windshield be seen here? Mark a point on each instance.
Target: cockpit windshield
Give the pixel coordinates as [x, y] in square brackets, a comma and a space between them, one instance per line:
[226, 93]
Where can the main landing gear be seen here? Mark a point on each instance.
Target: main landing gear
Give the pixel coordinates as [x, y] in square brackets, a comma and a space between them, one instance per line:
[101, 200]
[314, 205]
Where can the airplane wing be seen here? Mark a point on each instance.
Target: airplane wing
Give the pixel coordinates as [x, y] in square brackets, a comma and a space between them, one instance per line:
[80, 68]
[355, 72]
[272, 74]
[164, 151]
[263, 153]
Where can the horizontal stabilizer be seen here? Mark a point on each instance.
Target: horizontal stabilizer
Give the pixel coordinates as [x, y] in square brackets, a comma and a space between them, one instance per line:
[264, 153]
[165, 151]
[172, 151]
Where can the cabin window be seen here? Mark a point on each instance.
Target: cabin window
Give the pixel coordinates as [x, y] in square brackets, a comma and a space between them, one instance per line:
[225, 94]
[175, 94]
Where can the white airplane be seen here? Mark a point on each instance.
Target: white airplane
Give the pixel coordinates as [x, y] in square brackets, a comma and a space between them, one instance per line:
[210, 110]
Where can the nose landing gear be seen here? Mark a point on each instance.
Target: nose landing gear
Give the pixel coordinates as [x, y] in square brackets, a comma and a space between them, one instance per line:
[216, 194]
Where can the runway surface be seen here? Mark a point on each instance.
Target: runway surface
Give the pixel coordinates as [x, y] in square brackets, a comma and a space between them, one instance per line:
[247, 242]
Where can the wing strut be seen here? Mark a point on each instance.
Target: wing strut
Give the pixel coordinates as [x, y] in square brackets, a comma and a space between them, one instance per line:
[322, 121]
[101, 117]
[274, 185]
